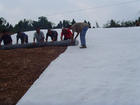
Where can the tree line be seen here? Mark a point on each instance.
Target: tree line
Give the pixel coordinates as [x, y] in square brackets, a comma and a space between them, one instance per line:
[115, 24]
[44, 23]
[29, 25]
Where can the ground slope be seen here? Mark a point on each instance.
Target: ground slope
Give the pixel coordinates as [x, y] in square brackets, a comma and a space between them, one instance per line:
[106, 73]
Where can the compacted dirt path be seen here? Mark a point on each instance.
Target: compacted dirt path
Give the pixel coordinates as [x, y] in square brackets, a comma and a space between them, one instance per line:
[19, 69]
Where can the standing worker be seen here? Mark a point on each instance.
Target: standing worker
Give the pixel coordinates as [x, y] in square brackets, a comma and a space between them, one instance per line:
[80, 28]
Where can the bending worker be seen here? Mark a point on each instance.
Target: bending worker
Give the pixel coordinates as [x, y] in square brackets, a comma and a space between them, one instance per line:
[80, 28]
[53, 34]
[23, 37]
[66, 33]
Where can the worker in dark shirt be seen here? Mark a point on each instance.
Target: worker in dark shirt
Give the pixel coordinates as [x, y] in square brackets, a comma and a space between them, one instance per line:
[23, 37]
[53, 34]
[6, 38]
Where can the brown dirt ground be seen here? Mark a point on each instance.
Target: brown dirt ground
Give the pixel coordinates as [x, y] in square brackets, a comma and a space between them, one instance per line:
[19, 69]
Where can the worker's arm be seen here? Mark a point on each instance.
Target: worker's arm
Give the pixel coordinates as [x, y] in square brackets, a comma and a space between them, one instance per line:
[0, 41]
[17, 39]
[76, 35]
[34, 37]
[72, 36]
[46, 37]
[34, 40]
[53, 39]
[61, 36]
[42, 39]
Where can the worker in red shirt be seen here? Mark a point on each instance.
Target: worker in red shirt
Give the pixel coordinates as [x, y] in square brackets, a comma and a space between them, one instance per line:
[66, 33]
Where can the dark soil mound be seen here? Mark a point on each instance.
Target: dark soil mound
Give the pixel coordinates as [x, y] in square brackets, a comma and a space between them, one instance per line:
[20, 68]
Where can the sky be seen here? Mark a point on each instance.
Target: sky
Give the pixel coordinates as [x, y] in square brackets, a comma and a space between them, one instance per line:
[55, 10]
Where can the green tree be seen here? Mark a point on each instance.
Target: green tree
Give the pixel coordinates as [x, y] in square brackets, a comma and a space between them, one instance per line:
[66, 23]
[44, 23]
[112, 23]
[73, 22]
[5, 25]
[85, 21]
[97, 25]
[23, 25]
[60, 25]
[89, 24]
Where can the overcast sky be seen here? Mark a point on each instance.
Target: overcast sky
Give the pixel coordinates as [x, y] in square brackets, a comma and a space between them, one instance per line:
[56, 10]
